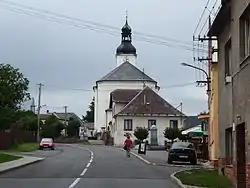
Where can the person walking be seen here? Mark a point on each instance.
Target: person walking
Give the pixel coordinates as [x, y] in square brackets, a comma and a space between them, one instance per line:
[128, 145]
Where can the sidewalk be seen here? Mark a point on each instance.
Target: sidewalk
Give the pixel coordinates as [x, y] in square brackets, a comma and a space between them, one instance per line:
[25, 160]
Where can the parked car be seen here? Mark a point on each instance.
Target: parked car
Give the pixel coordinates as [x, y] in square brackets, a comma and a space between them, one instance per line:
[183, 152]
[47, 143]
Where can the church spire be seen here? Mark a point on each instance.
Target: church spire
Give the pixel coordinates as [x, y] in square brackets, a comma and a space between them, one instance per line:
[126, 52]
[126, 46]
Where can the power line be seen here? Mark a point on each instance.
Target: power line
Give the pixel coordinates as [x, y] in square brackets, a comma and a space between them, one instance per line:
[210, 14]
[93, 23]
[91, 90]
[203, 12]
[69, 21]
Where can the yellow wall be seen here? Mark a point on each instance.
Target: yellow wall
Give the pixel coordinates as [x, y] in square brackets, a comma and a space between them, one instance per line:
[213, 115]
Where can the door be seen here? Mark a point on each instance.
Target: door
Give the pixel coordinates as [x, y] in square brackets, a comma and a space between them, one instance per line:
[241, 156]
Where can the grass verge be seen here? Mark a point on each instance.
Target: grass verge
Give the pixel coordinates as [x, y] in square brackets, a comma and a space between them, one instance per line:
[204, 178]
[85, 143]
[6, 157]
[25, 147]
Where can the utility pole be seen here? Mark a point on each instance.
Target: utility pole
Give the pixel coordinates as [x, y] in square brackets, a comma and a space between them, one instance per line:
[180, 110]
[65, 114]
[65, 118]
[181, 113]
[38, 111]
[33, 106]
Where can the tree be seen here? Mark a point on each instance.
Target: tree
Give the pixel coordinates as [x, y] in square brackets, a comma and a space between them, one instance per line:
[183, 137]
[73, 128]
[6, 117]
[27, 120]
[13, 87]
[141, 133]
[171, 133]
[89, 117]
[52, 127]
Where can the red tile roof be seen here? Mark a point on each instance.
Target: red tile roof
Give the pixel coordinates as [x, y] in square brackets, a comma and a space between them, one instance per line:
[124, 95]
[149, 102]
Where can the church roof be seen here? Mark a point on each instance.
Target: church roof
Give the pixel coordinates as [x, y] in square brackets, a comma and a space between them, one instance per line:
[124, 95]
[126, 72]
[149, 102]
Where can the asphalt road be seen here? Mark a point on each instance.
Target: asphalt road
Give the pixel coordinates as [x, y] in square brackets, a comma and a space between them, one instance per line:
[73, 166]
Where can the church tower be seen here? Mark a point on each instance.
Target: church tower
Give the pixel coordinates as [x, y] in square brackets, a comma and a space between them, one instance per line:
[126, 52]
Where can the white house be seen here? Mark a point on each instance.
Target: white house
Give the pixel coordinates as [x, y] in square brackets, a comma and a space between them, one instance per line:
[125, 76]
[140, 108]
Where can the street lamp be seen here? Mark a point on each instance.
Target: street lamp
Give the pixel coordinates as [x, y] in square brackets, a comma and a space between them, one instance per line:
[208, 80]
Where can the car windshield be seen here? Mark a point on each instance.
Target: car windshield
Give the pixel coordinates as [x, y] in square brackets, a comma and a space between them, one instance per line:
[182, 145]
[46, 140]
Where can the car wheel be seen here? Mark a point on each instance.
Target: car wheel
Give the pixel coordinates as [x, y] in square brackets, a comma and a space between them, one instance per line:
[194, 162]
[41, 148]
[52, 148]
[170, 161]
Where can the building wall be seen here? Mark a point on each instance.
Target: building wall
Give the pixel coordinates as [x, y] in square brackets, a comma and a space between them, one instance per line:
[234, 97]
[131, 58]
[213, 115]
[102, 97]
[117, 108]
[225, 93]
[108, 117]
[142, 121]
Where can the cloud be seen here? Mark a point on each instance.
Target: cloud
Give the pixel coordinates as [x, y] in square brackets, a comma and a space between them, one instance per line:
[64, 56]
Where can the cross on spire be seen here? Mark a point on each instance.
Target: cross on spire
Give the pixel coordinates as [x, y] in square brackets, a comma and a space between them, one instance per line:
[126, 15]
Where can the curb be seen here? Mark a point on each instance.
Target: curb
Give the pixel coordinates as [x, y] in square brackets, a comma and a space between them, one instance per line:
[178, 181]
[22, 165]
[142, 159]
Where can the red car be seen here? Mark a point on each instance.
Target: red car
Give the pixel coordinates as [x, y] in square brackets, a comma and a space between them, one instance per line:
[47, 143]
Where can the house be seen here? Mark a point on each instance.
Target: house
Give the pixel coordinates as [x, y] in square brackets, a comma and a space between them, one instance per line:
[131, 108]
[231, 28]
[89, 130]
[67, 116]
[126, 75]
[44, 117]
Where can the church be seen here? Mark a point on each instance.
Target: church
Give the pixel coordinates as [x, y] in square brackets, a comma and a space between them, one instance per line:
[127, 98]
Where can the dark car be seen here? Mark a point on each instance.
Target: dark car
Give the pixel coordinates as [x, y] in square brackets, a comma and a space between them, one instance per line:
[182, 152]
[47, 143]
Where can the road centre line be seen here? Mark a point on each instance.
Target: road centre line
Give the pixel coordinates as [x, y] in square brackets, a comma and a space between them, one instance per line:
[87, 166]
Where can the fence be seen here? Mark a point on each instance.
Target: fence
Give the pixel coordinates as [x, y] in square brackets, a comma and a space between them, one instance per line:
[7, 139]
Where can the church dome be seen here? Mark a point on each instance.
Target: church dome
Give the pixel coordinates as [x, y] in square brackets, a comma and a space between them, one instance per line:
[126, 28]
[126, 46]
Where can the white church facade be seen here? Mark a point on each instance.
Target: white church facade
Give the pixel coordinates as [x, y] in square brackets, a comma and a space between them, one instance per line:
[126, 97]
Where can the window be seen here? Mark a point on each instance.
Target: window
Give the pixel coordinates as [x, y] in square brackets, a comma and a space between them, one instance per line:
[228, 58]
[174, 124]
[151, 122]
[229, 145]
[245, 34]
[128, 125]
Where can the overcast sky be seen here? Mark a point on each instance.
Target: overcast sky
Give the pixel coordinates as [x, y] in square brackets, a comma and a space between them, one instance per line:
[68, 60]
